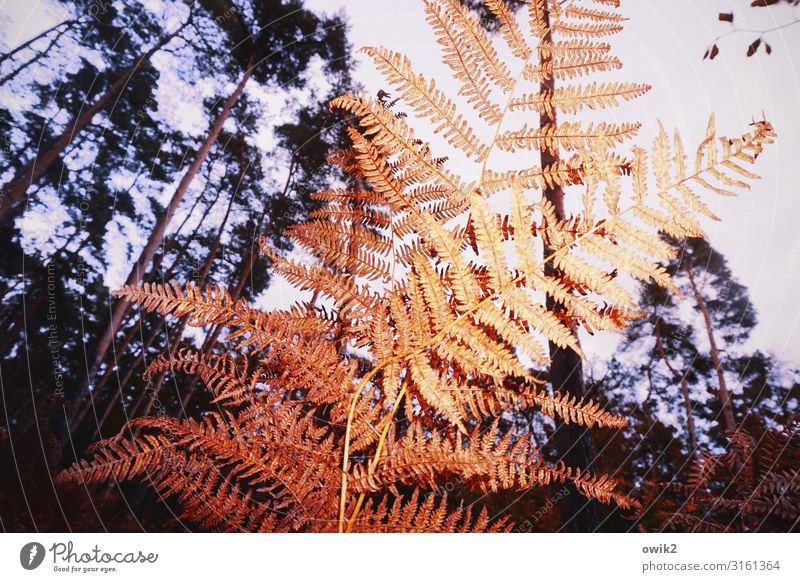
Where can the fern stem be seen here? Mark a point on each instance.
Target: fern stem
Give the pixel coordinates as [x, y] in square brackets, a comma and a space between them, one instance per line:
[377, 457]
[346, 452]
[506, 109]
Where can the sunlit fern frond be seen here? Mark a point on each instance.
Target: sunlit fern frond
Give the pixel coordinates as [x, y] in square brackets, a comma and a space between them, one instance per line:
[572, 64]
[428, 101]
[581, 12]
[479, 45]
[571, 100]
[510, 29]
[566, 136]
[491, 402]
[464, 61]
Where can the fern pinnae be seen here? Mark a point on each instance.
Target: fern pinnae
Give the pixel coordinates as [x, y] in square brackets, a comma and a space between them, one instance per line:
[482, 47]
[474, 85]
[510, 29]
[227, 384]
[395, 135]
[489, 241]
[564, 49]
[593, 29]
[569, 136]
[428, 101]
[580, 12]
[561, 173]
[569, 67]
[571, 100]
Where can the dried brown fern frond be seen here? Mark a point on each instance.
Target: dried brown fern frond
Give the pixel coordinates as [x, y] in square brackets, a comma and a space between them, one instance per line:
[491, 402]
[432, 289]
[488, 461]
[427, 516]
[222, 375]
[754, 486]
[427, 101]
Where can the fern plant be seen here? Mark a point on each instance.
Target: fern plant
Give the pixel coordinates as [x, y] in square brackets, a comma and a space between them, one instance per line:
[753, 486]
[429, 292]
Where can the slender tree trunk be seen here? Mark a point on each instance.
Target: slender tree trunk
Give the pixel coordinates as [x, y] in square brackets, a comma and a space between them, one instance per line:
[14, 72]
[687, 401]
[157, 235]
[201, 279]
[88, 403]
[14, 191]
[247, 263]
[147, 342]
[728, 420]
[573, 442]
[647, 411]
[26, 44]
[85, 403]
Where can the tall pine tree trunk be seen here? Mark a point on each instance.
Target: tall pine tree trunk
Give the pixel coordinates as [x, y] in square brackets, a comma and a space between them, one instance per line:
[573, 442]
[35, 58]
[172, 347]
[157, 235]
[29, 43]
[88, 403]
[131, 369]
[14, 191]
[728, 422]
[245, 269]
[687, 401]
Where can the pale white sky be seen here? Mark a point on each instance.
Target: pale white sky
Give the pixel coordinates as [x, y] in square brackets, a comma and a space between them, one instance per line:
[662, 45]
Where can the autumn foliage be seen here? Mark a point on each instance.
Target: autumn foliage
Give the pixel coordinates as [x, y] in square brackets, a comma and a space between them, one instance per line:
[428, 312]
